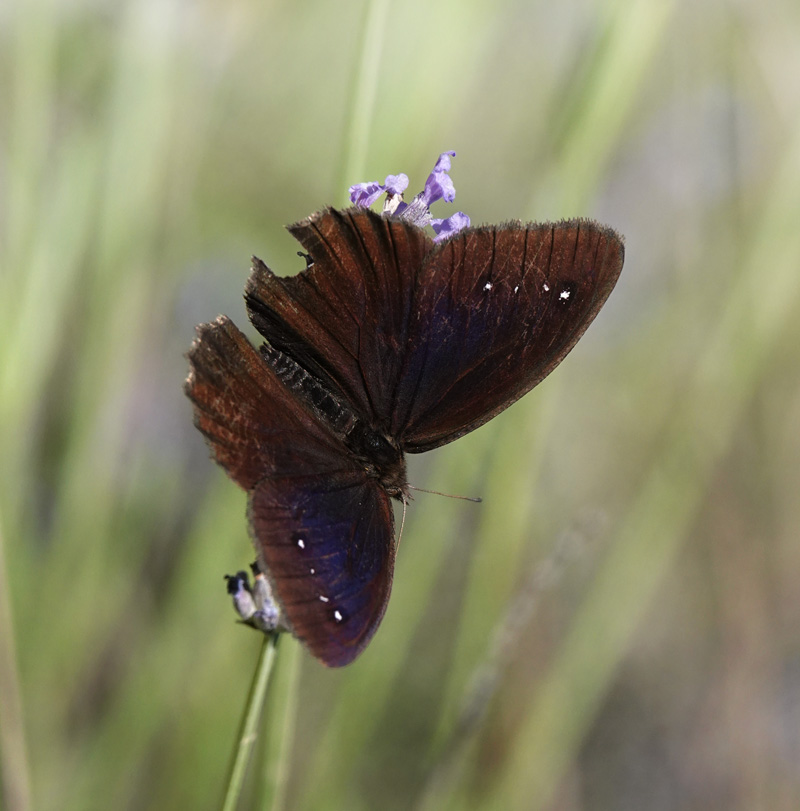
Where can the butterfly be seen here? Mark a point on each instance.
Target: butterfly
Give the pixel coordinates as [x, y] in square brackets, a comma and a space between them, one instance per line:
[386, 344]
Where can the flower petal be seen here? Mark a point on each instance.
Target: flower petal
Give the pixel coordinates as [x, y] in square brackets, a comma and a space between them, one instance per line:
[365, 194]
[451, 225]
[443, 163]
[439, 185]
[395, 184]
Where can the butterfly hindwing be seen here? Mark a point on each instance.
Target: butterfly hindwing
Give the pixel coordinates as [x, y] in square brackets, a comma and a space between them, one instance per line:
[327, 543]
[245, 412]
[321, 526]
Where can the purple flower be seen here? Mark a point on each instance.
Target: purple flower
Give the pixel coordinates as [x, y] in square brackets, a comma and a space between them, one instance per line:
[365, 194]
[449, 226]
[438, 186]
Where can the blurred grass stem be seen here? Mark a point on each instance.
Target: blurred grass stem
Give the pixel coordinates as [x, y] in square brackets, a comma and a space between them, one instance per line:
[449, 766]
[280, 733]
[15, 790]
[650, 537]
[364, 94]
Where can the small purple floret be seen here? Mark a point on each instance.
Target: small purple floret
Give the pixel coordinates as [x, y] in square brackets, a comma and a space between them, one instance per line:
[438, 186]
[365, 194]
[452, 225]
[396, 184]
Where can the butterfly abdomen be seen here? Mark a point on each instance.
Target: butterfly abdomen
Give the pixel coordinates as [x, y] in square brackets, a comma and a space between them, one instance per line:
[334, 412]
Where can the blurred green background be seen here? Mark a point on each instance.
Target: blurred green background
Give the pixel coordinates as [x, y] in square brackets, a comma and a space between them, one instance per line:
[617, 626]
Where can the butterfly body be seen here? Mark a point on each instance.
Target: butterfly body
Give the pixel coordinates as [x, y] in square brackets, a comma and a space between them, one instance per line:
[381, 456]
[386, 344]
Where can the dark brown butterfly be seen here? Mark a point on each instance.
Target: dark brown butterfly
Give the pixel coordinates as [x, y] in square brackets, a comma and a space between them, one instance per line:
[386, 344]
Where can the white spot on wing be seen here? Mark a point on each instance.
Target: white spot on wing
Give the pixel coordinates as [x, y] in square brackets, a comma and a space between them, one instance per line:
[337, 615]
[546, 287]
[312, 570]
[564, 295]
[301, 543]
[323, 598]
[516, 287]
[487, 286]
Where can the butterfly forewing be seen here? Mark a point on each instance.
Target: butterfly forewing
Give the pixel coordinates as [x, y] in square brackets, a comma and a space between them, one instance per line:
[497, 309]
[345, 319]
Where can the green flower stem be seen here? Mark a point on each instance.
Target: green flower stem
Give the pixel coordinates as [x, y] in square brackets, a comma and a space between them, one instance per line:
[248, 734]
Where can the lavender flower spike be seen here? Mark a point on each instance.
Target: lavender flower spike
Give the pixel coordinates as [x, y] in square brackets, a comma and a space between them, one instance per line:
[438, 186]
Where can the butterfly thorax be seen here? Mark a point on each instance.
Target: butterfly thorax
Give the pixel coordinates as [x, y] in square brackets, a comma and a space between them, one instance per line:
[382, 457]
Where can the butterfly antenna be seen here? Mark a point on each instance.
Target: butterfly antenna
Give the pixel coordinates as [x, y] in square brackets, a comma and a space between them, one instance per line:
[402, 523]
[473, 499]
